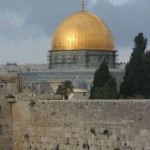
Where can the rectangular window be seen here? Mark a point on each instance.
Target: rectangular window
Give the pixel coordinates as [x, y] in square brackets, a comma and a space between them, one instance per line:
[0, 129]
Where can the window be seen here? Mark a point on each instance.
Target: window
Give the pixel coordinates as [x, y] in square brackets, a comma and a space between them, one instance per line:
[0, 129]
[1, 86]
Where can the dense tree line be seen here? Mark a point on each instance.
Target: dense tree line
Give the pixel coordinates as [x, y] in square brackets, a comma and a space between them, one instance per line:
[136, 82]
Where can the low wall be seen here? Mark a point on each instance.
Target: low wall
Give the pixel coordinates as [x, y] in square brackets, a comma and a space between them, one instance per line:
[81, 125]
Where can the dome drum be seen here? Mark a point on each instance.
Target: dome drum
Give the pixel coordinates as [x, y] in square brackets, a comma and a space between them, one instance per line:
[81, 59]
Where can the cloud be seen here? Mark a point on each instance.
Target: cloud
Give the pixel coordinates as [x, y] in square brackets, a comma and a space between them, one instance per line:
[91, 4]
[9, 18]
[19, 41]
[29, 49]
[26, 26]
[11, 25]
[120, 2]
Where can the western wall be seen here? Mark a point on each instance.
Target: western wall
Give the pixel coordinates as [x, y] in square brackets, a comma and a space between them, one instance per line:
[81, 125]
[29, 123]
[9, 84]
[5, 126]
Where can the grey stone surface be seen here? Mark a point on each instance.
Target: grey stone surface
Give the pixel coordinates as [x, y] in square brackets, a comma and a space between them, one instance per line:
[28, 123]
[76, 125]
[8, 85]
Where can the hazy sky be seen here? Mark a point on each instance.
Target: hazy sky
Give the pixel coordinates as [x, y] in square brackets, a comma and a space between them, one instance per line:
[26, 26]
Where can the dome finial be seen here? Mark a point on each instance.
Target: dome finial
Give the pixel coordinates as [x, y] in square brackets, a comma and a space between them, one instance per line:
[82, 5]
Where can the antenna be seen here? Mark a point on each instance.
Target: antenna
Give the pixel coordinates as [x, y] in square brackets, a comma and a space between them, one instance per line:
[82, 5]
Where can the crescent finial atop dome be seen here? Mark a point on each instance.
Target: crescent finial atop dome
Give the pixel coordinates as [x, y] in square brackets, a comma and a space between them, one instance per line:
[82, 5]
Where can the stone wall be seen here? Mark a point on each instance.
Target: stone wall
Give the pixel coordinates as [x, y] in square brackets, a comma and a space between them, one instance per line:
[5, 126]
[9, 84]
[81, 125]
[5, 123]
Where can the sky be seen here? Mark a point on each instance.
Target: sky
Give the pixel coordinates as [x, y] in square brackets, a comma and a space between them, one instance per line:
[27, 26]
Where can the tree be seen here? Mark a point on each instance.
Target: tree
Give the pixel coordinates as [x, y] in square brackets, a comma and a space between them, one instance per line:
[146, 75]
[65, 89]
[132, 85]
[104, 85]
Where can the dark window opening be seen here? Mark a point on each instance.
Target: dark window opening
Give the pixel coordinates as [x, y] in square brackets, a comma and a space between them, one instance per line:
[84, 94]
[2, 86]
[0, 129]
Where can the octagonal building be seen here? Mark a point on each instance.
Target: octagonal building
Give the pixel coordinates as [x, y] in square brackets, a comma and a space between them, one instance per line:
[79, 45]
[82, 41]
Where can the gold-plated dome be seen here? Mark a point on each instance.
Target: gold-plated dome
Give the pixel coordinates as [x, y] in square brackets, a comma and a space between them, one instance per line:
[82, 31]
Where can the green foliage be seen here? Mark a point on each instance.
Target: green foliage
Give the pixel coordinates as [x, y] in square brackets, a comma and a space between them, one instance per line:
[132, 86]
[146, 75]
[102, 75]
[65, 89]
[104, 85]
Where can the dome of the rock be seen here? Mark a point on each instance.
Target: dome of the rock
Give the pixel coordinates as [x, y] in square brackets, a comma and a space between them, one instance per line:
[82, 41]
[82, 31]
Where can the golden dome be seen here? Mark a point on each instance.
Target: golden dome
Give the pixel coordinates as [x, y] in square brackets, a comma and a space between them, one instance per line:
[82, 31]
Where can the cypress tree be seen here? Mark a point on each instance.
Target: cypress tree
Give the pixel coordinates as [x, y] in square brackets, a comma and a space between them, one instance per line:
[132, 86]
[146, 75]
[104, 85]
